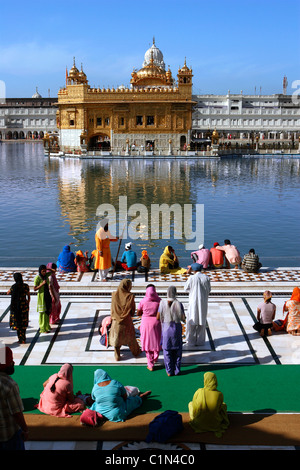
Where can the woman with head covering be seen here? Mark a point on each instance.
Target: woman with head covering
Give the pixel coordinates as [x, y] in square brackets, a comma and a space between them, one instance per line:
[111, 399]
[292, 307]
[54, 291]
[265, 315]
[122, 310]
[81, 261]
[44, 301]
[57, 398]
[66, 260]
[168, 262]
[207, 410]
[150, 328]
[103, 238]
[145, 261]
[171, 314]
[19, 307]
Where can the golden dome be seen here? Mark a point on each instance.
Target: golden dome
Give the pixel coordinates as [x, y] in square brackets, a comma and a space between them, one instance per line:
[75, 77]
[74, 70]
[82, 76]
[185, 69]
[151, 75]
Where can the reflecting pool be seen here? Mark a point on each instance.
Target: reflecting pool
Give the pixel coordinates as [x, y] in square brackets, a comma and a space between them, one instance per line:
[47, 203]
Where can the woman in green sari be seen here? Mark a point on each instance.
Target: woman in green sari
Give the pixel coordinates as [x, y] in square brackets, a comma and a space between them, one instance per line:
[207, 410]
[44, 300]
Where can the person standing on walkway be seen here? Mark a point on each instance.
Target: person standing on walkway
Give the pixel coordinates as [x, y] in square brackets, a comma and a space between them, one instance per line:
[103, 238]
[198, 286]
[19, 307]
[13, 427]
[122, 310]
[171, 314]
[150, 328]
[44, 301]
[54, 291]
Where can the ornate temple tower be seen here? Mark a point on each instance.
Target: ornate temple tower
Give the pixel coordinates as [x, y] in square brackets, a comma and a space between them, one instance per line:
[150, 114]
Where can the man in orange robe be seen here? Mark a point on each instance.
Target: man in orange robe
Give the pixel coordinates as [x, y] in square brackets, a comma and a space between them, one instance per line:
[103, 238]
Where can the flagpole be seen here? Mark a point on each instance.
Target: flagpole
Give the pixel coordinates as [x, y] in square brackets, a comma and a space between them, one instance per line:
[115, 265]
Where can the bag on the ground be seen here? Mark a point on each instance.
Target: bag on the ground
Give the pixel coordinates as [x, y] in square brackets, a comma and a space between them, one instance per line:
[91, 418]
[164, 426]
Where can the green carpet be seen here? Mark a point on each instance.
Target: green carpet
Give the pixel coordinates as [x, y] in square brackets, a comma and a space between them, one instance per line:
[260, 388]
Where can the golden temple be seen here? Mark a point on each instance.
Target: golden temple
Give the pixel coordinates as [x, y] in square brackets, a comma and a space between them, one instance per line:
[153, 114]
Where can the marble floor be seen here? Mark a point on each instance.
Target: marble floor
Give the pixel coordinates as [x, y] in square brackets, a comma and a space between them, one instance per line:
[230, 337]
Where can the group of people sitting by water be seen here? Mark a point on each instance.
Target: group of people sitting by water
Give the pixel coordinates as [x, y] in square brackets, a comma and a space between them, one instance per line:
[218, 256]
[225, 256]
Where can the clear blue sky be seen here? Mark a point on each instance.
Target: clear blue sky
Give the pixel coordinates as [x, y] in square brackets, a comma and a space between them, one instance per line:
[230, 45]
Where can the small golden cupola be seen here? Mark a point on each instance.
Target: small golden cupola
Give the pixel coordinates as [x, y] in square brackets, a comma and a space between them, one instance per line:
[82, 76]
[185, 74]
[73, 76]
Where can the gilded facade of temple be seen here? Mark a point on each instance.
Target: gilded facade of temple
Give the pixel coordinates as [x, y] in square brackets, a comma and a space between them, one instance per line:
[154, 114]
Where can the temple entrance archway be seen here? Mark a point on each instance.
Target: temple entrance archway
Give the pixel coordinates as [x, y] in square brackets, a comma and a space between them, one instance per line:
[183, 142]
[99, 142]
[150, 145]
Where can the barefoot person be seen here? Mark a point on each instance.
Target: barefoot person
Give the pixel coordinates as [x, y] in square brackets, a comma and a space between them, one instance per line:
[198, 287]
[19, 307]
[122, 310]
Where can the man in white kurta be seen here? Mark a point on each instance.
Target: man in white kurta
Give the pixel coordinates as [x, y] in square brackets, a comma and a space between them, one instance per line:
[198, 286]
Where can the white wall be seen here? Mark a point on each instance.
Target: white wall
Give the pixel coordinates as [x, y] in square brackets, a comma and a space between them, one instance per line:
[70, 137]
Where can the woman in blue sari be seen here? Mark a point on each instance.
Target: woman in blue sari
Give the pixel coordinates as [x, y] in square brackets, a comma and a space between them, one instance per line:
[110, 398]
[66, 261]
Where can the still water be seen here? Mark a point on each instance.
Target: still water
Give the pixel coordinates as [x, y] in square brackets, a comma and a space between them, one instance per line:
[47, 203]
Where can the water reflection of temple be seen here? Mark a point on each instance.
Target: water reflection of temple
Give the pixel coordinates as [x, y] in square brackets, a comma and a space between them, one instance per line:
[83, 186]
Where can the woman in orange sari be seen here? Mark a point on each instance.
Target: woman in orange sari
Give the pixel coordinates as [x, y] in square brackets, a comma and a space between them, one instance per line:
[103, 238]
[292, 306]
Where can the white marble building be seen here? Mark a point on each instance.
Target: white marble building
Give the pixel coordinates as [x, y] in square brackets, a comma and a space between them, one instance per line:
[27, 118]
[238, 116]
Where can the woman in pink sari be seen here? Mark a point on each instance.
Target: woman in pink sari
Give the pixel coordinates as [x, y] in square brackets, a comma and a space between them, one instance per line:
[57, 398]
[54, 291]
[150, 327]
